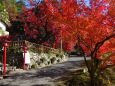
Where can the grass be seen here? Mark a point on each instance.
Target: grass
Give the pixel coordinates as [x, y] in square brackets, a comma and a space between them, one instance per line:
[82, 79]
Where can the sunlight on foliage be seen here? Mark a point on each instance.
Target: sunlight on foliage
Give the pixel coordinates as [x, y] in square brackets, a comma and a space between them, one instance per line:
[4, 14]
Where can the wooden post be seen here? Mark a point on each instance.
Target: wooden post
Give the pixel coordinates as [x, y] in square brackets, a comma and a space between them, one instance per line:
[5, 50]
[24, 66]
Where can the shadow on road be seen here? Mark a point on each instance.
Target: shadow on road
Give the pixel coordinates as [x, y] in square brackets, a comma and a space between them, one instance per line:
[49, 72]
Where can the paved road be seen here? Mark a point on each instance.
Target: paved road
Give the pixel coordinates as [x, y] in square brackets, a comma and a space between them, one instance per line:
[42, 77]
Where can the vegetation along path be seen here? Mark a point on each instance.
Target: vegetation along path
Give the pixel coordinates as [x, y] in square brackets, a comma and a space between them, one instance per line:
[45, 76]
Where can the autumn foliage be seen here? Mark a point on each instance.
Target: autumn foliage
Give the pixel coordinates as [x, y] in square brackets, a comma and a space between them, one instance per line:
[74, 22]
[90, 26]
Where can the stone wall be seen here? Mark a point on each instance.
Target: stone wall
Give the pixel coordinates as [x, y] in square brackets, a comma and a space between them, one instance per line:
[43, 59]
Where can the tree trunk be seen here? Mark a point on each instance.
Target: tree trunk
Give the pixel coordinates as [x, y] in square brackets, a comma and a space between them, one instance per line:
[92, 79]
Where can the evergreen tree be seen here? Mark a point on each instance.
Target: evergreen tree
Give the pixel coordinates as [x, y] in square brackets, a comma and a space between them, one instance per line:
[19, 5]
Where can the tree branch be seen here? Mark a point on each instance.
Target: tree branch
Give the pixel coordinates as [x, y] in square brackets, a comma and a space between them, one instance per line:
[99, 44]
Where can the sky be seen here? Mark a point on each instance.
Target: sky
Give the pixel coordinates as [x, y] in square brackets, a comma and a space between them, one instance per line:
[87, 2]
[26, 1]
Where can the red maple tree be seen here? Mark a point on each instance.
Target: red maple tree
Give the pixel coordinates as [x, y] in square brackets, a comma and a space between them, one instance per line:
[91, 27]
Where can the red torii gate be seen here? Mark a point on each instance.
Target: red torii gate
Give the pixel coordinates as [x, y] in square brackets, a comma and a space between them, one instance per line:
[6, 40]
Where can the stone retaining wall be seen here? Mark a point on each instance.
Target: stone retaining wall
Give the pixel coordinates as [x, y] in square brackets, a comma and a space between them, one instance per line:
[44, 59]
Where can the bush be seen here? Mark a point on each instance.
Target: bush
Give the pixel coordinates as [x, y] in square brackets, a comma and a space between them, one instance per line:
[53, 60]
[106, 78]
[109, 76]
[79, 80]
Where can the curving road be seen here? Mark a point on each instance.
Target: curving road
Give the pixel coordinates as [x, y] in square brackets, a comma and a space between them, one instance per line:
[43, 77]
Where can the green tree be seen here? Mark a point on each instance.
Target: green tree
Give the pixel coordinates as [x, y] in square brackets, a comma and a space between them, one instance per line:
[10, 6]
[4, 14]
[19, 5]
